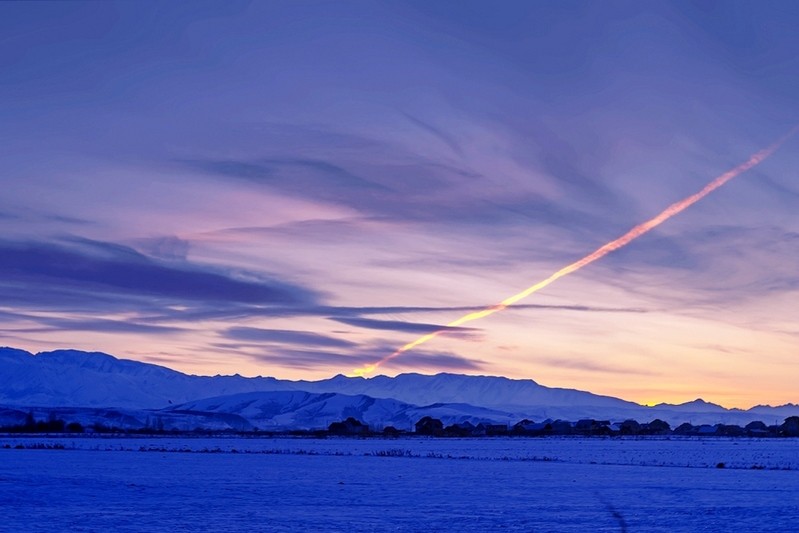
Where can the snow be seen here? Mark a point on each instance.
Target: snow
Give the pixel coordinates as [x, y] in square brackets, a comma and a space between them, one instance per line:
[409, 484]
[303, 410]
[68, 378]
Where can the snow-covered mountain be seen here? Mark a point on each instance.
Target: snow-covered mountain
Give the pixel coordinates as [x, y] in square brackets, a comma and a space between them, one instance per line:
[304, 410]
[697, 406]
[71, 378]
[74, 379]
[489, 391]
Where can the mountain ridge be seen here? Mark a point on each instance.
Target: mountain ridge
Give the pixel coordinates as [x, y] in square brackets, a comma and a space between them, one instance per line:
[76, 379]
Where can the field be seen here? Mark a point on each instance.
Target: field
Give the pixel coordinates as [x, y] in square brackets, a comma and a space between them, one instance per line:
[408, 484]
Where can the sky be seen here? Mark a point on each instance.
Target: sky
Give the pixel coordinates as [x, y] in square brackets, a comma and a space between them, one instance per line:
[297, 189]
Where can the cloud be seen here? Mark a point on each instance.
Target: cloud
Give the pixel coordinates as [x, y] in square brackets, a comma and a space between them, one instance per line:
[307, 230]
[38, 215]
[398, 325]
[169, 247]
[80, 273]
[780, 192]
[574, 166]
[412, 177]
[419, 358]
[345, 312]
[435, 360]
[308, 359]
[403, 187]
[314, 359]
[96, 325]
[471, 308]
[340, 355]
[282, 336]
[69, 220]
[291, 174]
[593, 366]
[11, 316]
[438, 133]
[699, 266]
[165, 360]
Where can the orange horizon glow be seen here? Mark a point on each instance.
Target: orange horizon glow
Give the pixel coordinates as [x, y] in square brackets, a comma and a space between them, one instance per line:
[602, 251]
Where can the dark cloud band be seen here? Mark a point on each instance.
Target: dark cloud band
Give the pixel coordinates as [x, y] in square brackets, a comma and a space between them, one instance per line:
[80, 269]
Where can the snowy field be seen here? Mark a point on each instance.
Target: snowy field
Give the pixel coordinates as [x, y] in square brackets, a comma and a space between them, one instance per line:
[408, 484]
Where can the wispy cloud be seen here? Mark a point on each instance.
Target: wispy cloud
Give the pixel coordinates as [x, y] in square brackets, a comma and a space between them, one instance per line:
[350, 312]
[436, 132]
[83, 273]
[281, 336]
[169, 247]
[306, 359]
[593, 366]
[69, 220]
[306, 186]
[291, 174]
[315, 360]
[95, 325]
[398, 325]
[698, 264]
[436, 361]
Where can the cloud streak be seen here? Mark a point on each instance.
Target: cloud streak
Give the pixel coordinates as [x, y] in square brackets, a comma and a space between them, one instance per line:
[579, 364]
[97, 326]
[316, 359]
[611, 246]
[281, 336]
[81, 269]
[347, 312]
[398, 325]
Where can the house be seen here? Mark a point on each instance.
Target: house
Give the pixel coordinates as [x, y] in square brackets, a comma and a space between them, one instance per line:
[706, 430]
[560, 427]
[528, 427]
[430, 426]
[757, 429]
[494, 429]
[630, 427]
[391, 431]
[656, 427]
[461, 429]
[790, 428]
[729, 430]
[350, 426]
[589, 426]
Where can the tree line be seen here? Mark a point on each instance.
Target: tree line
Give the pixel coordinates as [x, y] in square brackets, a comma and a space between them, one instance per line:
[434, 427]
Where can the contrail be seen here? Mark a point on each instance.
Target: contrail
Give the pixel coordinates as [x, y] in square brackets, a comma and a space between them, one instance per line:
[602, 251]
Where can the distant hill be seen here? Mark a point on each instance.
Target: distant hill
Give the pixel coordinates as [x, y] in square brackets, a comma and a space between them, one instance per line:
[304, 410]
[71, 378]
[74, 379]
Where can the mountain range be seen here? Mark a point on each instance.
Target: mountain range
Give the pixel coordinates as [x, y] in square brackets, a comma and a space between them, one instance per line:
[93, 386]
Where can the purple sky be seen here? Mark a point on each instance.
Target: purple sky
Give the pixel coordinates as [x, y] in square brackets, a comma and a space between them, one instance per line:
[299, 188]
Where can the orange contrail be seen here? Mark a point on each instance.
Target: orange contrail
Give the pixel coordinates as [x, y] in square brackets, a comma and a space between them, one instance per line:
[599, 253]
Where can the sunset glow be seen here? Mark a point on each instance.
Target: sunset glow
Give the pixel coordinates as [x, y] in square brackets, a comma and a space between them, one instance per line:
[602, 251]
[294, 190]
